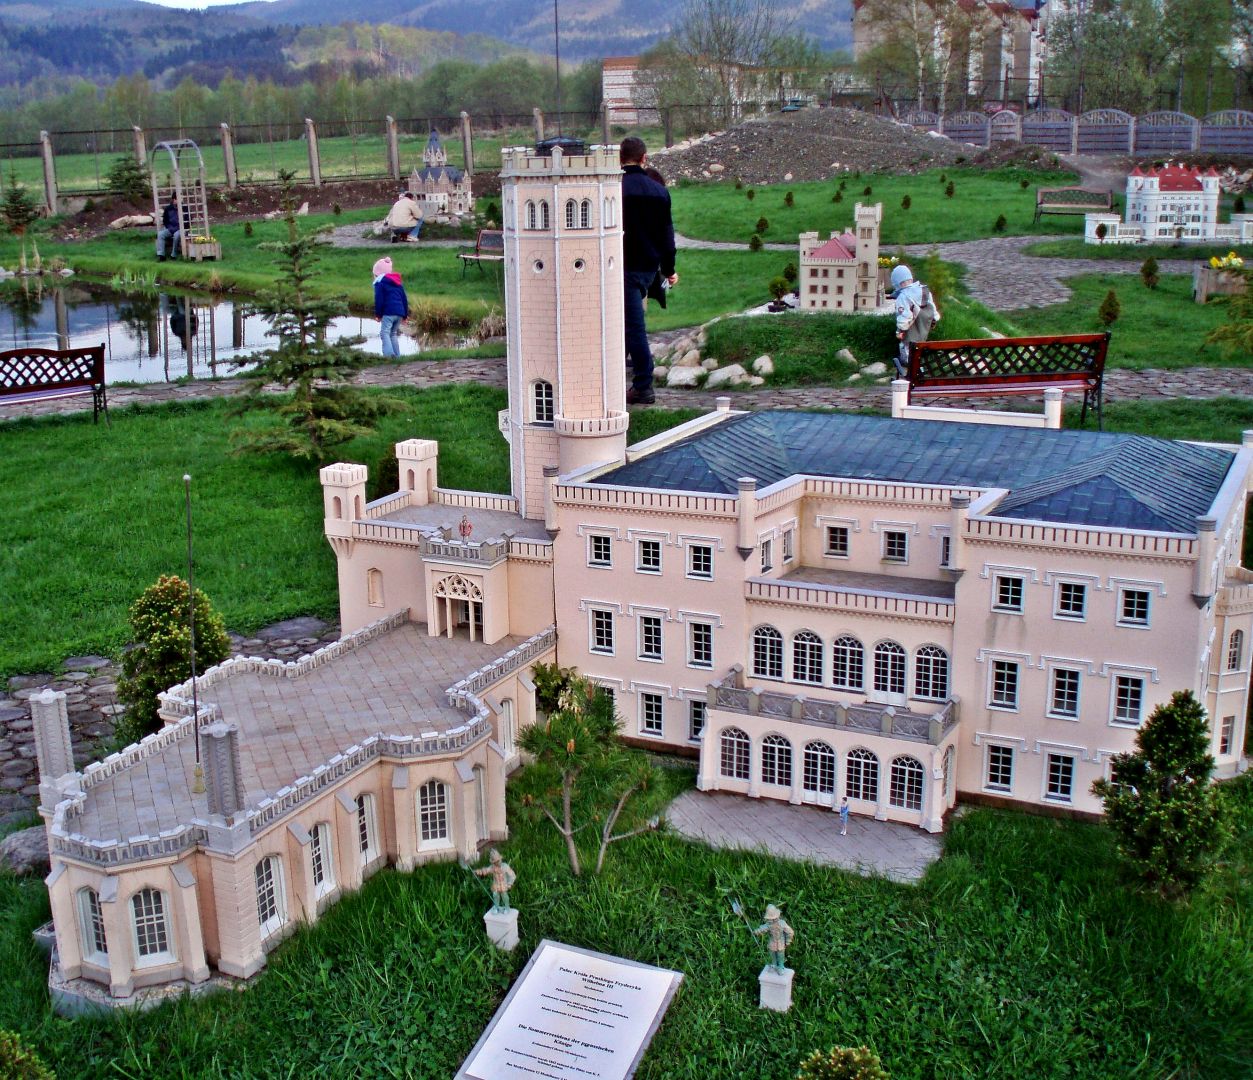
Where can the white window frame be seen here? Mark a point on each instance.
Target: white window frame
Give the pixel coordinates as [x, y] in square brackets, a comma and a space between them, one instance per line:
[693, 660]
[272, 866]
[992, 666]
[641, 619]
[1006, 789]
[776, 753]
[692, 548]
[654, 546]
[743, 741]
[91, 929]
[1115, 678]
[861, 665]
[1234, 650]
[440, 810]
[779, 641]
[543, 403]
[367, 832]
[1049, 708]
[887, 538]
[1060, 584]
[932, 661]
[847, 531]
[697, 709]
[1227, 735]
[766, 545]
[593, 538]
[164, 955]
[1064, 800]
[611, 616]
[912, 783]
[1122, 620]
[788, 544]
[811, 644]
[1005, 609]
[648, 699]
[320, 849]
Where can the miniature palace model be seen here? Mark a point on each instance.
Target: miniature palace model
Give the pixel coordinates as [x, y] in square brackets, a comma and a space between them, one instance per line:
[906, 612]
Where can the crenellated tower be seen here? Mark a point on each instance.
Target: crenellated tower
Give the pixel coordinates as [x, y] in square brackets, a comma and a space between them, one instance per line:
[563, 290]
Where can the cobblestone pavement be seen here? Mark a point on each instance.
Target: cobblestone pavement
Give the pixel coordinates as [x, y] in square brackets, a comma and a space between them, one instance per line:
[804, 833]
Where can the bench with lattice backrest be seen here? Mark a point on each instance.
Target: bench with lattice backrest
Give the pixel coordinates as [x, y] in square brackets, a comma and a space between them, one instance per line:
[996, 366]
[1071, 200]
[489, 246]
[36, 374]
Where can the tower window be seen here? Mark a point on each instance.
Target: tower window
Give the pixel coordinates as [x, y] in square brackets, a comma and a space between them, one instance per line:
[544, 220]
[585, 214]
[542, 406]
[572, 214]
[532, 220]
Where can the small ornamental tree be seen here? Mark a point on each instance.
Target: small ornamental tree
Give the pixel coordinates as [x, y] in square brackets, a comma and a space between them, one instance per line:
[999, 224]
[761, 226]
[843, 184]
[161, 656]
[779, 287]
[1102, 231]
[838, 196]
[750, 194]
[937, 277]
[1024, 183]
[790, 273]
[1237, 207]
[789, 199]
[323, 410]
[18, 209]
[843, 1063]
[906, 202]
[19, 1063]
[867, 190]
[1149, 274]
[949, 189]
[1159, 800]
[1235, 336]
[1107, 314]
[754, 242]
[128, 179]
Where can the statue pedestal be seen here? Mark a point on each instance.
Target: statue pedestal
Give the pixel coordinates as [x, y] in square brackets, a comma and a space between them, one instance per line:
[776, 988]
[502, 928]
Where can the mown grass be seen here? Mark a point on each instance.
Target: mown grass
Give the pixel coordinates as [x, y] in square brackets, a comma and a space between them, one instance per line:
[1022, 953]
[1158, 328]
[1137, 253]
[717, 211]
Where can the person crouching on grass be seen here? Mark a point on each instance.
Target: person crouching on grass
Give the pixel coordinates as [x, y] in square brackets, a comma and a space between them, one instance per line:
[391, 305]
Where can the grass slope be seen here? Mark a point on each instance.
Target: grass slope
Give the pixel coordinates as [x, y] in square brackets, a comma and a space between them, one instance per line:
[1022, 953]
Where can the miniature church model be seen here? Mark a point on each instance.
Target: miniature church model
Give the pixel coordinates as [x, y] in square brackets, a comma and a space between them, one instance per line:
[842, 273]
[809, 605]
[1174, 203]
[440, 187]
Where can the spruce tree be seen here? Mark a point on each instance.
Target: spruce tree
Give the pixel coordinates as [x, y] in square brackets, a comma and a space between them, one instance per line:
[18, 209]
[1149, 273]
[127, 178]
[323, 409]
[1107, 314]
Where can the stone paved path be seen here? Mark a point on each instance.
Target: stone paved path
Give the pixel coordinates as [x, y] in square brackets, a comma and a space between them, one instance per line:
[804, 833]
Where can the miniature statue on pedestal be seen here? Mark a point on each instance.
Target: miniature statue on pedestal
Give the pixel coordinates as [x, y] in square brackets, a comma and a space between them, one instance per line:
[780, 936]
[503, 877]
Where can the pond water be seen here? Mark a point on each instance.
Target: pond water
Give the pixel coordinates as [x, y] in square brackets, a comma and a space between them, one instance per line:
[158, 335]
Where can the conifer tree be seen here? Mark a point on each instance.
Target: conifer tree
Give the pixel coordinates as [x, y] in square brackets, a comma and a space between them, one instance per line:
[1149, 273]
[17, 208]
[1109, 310]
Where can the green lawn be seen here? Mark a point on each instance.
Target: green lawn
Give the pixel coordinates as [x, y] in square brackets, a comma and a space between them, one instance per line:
[717, 211]
[1137, 253]
[1022, 953]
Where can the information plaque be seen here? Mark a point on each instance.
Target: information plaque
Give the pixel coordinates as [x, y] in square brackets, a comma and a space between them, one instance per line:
[573, 1015]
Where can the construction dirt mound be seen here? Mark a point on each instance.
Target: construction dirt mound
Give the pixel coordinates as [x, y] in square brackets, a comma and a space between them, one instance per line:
[814, 144]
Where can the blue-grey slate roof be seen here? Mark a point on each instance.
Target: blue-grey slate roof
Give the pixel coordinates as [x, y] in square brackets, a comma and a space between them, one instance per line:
[1075, 477]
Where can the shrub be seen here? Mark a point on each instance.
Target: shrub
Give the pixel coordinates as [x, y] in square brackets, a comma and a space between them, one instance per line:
[937, 277]
[89, 206]
[1101, 231]
[336, 209]
[127, 178]
[1149, 274]
[906, 202]
[790, 273]
[18, 1063]
[754, 242]
[943, 177]
[761, 226]
[779, 287]
[18, 209]
[1024, 183]
[838, 196]
[1237, 207]
[843, 183]
[949, 189]
[1107, 314]
[750, 194]
[843, 1063]
[739, 185]
[247, 228]
[867, 190]
[789, 199]
[999, 224]
[161, 657]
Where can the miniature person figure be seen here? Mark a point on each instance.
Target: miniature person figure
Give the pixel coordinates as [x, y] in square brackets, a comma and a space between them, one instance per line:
[391, 305]
[405, 219]
[466, 527]
[503, 877]
[916, 313]
[780, 936]
[169, 234]
[844, 816]
[647, 249]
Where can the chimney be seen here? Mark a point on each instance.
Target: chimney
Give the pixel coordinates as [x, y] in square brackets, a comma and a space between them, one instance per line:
[746, 537]
[224, 786]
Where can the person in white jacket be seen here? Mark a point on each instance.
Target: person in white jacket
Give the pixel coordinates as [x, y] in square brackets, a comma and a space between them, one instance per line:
[916, 313]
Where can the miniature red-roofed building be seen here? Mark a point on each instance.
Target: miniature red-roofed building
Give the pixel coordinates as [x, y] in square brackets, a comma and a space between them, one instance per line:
[842, 273]
[1178, 203]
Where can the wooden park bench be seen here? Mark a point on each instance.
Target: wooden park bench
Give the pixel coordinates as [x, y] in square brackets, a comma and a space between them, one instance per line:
[489, 246]
[37, 374]
[996, 366]
[1071, 200]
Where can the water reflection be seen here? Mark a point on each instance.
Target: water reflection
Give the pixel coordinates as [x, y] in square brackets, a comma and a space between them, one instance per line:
[156, 336]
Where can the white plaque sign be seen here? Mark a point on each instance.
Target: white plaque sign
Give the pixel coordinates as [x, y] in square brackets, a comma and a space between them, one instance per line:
[573, 1015]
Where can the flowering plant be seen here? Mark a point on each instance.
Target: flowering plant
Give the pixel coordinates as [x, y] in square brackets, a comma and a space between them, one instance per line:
[1230, 261]
[886, 262]
[202, 240]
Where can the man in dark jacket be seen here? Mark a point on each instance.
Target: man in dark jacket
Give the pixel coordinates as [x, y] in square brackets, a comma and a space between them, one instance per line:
[169, 233]
[647, 249]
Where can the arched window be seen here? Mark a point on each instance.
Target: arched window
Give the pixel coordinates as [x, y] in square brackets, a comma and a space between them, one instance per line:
[611, 214]
[544, 221]
[374, 587]
[152, 931]
[776, 761]
[543, 408]
[807, 657]
[848, 664]
[767, 653]
[948, 773]
[433, 814]
[734, 745]
[585, 214]
[931, 673]
[532, 221]
[1235, 650]
[818, 776]
[338, 505]
[321, 859]
[91, 927]
[889, 668]
[905, 790]
[572, 212]
[271, 908]
[861, 779]
[367, 833]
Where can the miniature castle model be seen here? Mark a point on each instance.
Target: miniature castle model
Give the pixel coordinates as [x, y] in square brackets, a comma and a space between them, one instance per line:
[903, 612]
[440, 187]
[842, 274]
[1173, 203]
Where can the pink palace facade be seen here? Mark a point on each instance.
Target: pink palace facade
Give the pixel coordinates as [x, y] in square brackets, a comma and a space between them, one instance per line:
[906, 612]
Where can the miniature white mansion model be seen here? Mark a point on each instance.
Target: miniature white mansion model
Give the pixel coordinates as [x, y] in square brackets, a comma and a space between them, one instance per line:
[903, 612]
[842, 274]
[1173, 203]
[440, 187]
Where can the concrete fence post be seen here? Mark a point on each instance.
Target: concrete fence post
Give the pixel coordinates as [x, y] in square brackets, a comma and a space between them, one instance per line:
[315, 160]
[604, 123]
[1131, 136]
[50, 171]
[1074, 134]
[228, 157]
[467, 143]
[538, 115]
[141, 146]
[393, 149]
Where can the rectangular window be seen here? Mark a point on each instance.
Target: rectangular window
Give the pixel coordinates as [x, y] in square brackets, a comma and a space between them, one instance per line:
[650, 637]
[837, 541]
[599, 550]
[1128, 699]
[702, 644]
[700, 561]
[895, 546]
[1004, 685]
[767, 556]
[648, 556]
[946, 550]
[1065, 697]
[365, 827]
[695, 720]
[1000, 768]
[602, 631]
[1008, 594]
[651, 714]
[1226, 735]
[1060, 782]
[1133, 607]
[788, 551]
[1071, 601]
[151, 932]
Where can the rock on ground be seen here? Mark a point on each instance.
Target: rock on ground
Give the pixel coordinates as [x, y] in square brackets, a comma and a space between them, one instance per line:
[26, 851]
[686, 377]
[731, 375]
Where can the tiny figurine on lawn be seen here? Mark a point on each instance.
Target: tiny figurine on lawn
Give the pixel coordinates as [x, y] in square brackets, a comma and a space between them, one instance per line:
[502, 876]
[775, 980]
[780, 936]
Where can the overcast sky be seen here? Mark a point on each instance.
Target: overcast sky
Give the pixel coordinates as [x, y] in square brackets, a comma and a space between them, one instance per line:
[192, 3]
